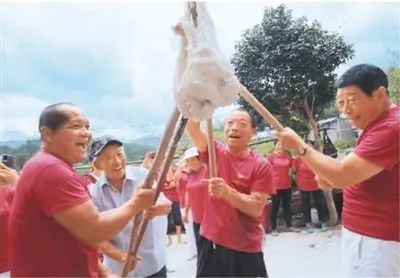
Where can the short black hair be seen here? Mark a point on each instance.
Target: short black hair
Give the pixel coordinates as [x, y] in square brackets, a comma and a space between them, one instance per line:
[53, 117]
[252, 121]
[367, 77]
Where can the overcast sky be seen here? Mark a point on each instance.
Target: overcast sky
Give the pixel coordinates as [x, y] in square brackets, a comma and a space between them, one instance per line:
[116, 60]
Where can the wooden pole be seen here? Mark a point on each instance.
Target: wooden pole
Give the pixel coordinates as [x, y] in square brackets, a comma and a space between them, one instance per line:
[267, 116]
[210, 137]
[211, 149]
[148, 182]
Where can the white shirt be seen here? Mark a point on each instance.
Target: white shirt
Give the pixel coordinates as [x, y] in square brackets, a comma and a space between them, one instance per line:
[153, 247]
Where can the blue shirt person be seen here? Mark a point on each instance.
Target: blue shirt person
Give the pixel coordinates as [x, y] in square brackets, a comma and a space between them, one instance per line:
[112, 190]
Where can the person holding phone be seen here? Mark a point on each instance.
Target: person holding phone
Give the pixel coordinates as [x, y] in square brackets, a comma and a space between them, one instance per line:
[8, 179]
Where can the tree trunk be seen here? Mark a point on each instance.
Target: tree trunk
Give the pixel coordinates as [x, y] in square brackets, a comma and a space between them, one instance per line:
[333, 217]
[313, 125]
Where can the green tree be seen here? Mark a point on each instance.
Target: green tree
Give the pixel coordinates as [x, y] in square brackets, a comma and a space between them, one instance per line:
[329, 111]
[394, 83]
[288, 64]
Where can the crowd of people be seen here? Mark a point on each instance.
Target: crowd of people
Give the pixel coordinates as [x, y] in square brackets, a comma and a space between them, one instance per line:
[55, 222]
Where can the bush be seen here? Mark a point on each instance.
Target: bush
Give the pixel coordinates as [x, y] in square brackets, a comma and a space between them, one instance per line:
[264, 148]
[342, 144]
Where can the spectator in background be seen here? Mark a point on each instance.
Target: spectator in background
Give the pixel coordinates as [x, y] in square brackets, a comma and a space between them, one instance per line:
[175, 216]
[308, 186]
[8, 179]
[89, 179]
[281, 165]
[8, 175]
[170, 191]
[181, 176]
[196, 191]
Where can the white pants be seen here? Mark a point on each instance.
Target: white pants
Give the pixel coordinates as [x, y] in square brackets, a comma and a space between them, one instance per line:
[364, 256]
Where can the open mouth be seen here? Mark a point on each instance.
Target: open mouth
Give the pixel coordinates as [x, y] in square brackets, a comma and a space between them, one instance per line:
[118, 169]
[82, 146]
[234, 136]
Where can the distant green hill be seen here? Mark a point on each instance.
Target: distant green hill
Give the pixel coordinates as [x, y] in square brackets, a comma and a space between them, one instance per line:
[29, 148]
[22, 153]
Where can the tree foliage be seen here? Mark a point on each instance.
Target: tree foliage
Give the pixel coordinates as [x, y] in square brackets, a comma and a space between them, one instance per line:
[394, 83]
[288, 64]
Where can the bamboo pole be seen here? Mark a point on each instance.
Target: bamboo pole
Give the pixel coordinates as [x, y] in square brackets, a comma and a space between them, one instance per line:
[148, 182]
[210, 135]
[267, 116]
[211, 149]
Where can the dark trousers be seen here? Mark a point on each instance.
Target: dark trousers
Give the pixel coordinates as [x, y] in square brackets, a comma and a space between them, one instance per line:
[285, 195]
[217, 261]
[161, 273]
[319, 202]
[196, 231]
[174, 218]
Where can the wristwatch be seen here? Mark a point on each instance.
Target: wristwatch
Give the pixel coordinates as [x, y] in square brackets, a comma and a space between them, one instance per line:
[302, 149]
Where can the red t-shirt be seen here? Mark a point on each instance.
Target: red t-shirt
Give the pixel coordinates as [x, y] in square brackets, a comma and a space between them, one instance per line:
[183, 177]
[281, 165]
[39, 245]
[222, 223]
[371, 208]
[171, 193]
[305, 176]
[6, 196]
[88, 179]
[197, 190]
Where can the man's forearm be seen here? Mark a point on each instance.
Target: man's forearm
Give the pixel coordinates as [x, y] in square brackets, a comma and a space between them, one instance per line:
[163, 209]
[111, 222]
[249, 204]
[197, 135]
[328, 168]
[111, 251]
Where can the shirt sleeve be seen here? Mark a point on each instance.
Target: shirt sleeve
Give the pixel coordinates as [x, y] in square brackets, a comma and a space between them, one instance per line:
[380, 146]
[95, 193]
[263, 177]
[58, 188]
[219, 148]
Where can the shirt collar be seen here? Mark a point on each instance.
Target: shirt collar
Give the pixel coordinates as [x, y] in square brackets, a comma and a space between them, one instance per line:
[102, 180]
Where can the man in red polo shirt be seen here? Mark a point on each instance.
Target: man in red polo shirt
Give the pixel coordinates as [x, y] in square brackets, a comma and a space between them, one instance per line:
[230, 233]
[369, 175]
[281, 166]
[308, 187]
[196, 189]
[54, 225]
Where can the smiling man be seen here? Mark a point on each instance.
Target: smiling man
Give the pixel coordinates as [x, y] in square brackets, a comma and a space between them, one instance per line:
[369, 175]
[54, 225]
[230, 242]
[113, 189]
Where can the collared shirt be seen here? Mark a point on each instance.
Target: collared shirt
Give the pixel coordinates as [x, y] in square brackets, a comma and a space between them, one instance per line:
[153, 247]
